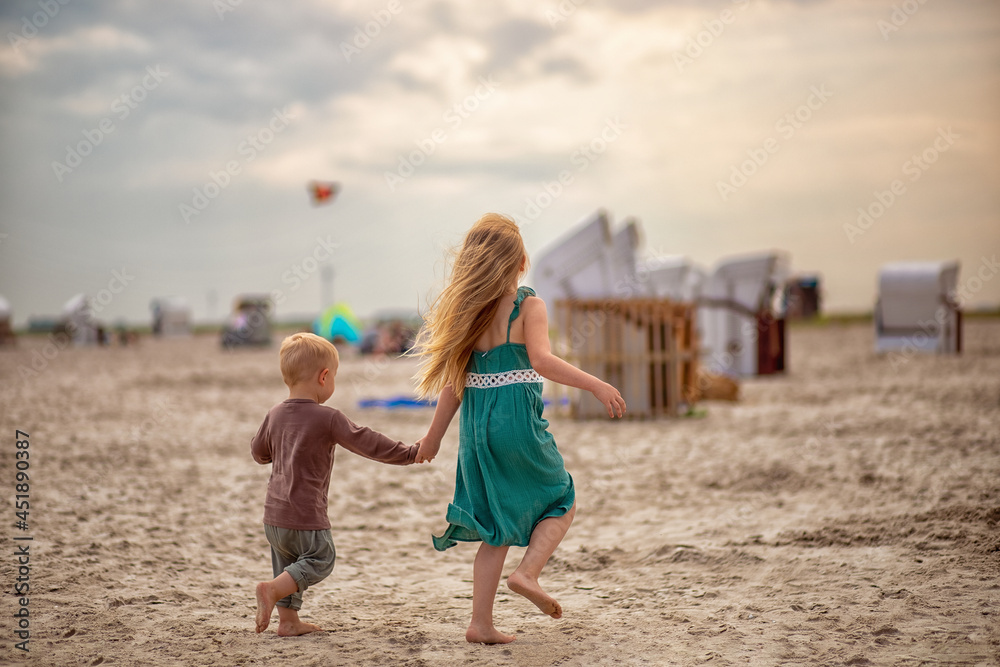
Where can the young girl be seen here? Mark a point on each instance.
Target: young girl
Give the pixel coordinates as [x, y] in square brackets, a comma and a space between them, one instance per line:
[486, 345]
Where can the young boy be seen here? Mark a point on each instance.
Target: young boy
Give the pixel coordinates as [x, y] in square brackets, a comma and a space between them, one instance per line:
[298, 437]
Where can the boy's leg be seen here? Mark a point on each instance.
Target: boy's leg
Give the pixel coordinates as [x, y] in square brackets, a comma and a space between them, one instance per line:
[289, 624]
[300, 558]
[269, 593]
[485, 579]
[544, 539]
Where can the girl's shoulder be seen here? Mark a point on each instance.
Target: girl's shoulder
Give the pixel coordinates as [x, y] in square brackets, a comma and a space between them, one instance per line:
[526, 295]
[532, 307]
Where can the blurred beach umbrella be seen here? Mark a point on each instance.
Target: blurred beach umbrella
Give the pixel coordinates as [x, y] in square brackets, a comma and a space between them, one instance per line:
[323, 192]
[338, 321]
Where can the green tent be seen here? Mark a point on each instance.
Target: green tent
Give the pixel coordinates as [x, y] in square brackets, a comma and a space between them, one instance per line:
[338, 321]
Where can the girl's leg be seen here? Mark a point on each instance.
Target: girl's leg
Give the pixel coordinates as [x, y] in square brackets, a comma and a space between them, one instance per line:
[485, 579]
[544, 540]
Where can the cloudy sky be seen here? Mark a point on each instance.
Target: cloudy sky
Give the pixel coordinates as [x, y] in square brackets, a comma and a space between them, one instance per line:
[154, 148]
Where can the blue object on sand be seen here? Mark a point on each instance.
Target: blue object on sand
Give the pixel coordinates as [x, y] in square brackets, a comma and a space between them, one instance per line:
[396, 402]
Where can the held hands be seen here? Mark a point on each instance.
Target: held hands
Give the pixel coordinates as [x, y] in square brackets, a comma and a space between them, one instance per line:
[611, 398]
[428, 449]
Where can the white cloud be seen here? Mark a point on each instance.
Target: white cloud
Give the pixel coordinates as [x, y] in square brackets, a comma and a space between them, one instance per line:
[28, 55]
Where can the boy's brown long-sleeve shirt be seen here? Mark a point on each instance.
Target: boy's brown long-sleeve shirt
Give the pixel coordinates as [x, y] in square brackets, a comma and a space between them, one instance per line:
[298, 438]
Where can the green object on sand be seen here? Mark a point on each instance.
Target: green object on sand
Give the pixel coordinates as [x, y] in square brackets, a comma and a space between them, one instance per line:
[338, 321]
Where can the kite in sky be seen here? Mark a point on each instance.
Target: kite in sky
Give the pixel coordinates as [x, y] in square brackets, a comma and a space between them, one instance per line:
[323, 192]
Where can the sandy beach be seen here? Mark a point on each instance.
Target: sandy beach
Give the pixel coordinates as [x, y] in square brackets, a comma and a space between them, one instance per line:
[843, 514]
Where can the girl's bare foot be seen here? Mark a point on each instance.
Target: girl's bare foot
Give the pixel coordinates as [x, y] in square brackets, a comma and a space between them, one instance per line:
[487, 635]
[265, 605]
[530, 589]
[296, 628]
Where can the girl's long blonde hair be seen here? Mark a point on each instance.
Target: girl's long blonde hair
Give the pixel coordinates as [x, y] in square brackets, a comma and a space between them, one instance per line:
[487, 265]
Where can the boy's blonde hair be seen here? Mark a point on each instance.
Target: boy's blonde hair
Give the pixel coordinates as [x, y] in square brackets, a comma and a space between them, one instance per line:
[305, 354]
[487, 265]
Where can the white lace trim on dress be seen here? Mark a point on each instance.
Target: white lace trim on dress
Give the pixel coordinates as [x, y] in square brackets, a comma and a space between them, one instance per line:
[487, 380]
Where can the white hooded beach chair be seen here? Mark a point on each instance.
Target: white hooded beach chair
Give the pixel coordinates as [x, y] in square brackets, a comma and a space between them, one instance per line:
[676, 279]
[916, 310]
[609, 321]
[740, 316]
[623, 259]
[576, 266]
[171, 317]
[587, 263]
[7, 336]
[77, 317]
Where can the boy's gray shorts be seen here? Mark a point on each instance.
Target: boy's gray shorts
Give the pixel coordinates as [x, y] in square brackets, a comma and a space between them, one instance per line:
[307, 555]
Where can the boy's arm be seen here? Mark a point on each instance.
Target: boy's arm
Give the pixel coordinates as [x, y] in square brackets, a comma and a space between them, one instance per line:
[447, 406]
[260, 445]
[370, 444]
[551, 367]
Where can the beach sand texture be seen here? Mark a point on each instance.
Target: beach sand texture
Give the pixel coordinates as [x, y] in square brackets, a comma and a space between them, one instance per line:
[844, 514]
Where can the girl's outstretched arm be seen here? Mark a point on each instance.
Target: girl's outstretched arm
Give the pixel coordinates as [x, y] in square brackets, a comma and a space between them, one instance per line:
[447, 406]
[551, 367]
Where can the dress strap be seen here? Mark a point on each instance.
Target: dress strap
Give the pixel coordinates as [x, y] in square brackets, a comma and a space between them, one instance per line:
[522, 293]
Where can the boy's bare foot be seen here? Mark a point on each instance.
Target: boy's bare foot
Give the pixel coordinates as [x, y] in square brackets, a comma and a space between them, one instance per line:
[530, 589]
[296, 628]
[265, 605]
[487, 635]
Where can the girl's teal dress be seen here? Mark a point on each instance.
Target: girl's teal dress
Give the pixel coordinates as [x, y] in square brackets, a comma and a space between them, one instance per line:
[510, 473]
